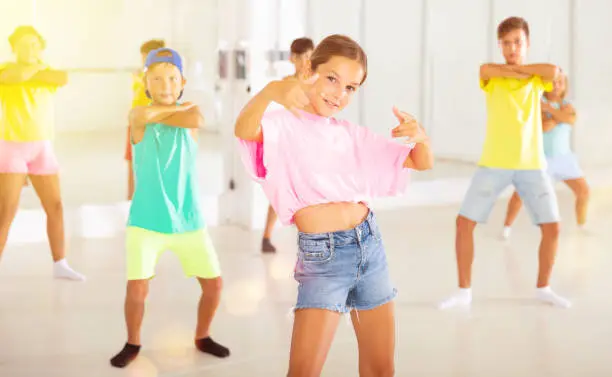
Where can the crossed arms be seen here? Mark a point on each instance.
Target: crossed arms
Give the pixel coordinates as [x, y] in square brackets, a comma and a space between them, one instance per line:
[36, 74]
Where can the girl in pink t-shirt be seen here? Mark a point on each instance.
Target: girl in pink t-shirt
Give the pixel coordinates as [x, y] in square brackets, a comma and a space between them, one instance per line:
[318, 172]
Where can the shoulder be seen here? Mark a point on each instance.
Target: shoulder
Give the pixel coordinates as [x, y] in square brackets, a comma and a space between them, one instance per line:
[281, 115]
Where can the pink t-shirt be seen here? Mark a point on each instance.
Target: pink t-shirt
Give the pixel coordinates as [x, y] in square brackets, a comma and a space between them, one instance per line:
[316, 160]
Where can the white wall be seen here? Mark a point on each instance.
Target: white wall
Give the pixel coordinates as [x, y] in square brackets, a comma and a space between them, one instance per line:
[429, 66]
[592, 82]
[99, 42]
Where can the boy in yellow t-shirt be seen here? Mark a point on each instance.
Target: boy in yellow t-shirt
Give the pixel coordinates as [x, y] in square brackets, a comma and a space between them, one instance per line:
[513, 154]
[139, 98]
[27, 88]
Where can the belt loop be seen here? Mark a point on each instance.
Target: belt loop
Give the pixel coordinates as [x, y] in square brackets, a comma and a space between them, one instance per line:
[331, 239]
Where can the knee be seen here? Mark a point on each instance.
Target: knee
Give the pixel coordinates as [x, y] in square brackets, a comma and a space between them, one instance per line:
[54, 209]
[382, 370]
[551, 231]
[583, 192]
[465, 225]
[305, 371]
[211, 287]
[137, 291]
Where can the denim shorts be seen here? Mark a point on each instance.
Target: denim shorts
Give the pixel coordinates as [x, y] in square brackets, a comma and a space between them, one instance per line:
[533, 186]
[343, 270]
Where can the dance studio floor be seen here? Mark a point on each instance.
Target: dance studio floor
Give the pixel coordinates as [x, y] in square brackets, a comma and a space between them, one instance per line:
[64, 329]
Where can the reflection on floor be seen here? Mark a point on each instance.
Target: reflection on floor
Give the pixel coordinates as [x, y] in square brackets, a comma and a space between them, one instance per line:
[63, 329]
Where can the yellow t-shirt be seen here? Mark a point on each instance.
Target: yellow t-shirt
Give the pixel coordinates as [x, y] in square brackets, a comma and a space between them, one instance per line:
[138, 88]
[27, 111]
[514, 123]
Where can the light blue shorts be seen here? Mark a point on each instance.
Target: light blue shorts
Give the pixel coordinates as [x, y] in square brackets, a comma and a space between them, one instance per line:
[533, 186]
[344, 270]
[564, 167]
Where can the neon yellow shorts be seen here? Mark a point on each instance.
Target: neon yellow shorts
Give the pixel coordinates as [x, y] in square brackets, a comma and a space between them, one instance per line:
[195, 251]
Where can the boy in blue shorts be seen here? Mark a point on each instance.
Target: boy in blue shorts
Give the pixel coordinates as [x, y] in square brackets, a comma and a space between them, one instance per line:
[513, 154]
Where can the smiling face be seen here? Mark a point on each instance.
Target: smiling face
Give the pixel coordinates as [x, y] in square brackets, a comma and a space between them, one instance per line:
[165, 83]
[28, 49]
[514, 45]
[339, 79]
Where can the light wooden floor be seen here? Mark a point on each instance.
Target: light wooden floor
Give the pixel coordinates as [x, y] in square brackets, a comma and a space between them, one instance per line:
[62, 329]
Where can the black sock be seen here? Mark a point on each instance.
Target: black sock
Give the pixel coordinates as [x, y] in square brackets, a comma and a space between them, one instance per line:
[126, 356]
[207, 345]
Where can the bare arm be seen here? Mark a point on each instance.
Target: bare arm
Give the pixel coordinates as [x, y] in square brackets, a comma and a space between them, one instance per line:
[191, 118]
[248, 124]
[50, 77]
[186, 115]
[420, 158]
[489, 71]
[15, 74]
[548, 124]
[566, 114]
[548, 72]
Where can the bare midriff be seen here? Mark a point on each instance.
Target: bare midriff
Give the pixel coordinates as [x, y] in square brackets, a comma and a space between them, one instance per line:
[330, 217]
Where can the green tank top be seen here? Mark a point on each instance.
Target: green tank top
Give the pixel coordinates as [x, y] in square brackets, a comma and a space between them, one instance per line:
[166, 192]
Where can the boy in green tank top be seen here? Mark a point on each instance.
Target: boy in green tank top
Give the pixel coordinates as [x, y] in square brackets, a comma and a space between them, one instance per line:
[165, 212]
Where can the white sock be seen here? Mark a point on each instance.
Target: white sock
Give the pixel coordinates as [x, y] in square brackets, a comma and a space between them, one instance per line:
[548, 296]
[462, 298]
[61, 270]
[506, 232]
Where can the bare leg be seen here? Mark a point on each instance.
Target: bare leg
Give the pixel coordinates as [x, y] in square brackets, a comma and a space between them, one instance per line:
[266, 245]
[581, 190]
[48, 190]
[514, 207]
[375, 330]
[130, 193]
[548, 252]
[313, 332]
[209, 302]
[464, 249]
[135, 297]
[10, 191]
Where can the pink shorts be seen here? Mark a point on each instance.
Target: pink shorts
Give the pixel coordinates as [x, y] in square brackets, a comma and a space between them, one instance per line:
[33, 158]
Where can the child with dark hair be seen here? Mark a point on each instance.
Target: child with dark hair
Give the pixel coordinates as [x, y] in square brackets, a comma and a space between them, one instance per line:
[301, 50]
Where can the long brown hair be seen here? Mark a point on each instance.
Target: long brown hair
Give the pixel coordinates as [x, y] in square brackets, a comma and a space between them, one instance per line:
[339, 45]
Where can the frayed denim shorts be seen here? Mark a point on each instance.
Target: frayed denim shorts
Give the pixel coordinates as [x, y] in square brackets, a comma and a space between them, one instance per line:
[344, 270]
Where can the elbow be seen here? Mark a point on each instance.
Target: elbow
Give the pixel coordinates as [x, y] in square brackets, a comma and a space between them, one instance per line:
[241, 132]
[238, 131]
[553, 73]
[484, 69]
[63, 79]
[424, 165]
[196, 119]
